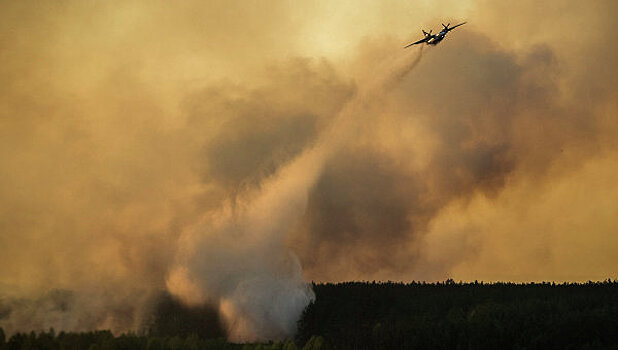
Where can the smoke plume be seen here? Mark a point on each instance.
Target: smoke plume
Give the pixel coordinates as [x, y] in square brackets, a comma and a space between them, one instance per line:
[259, 287]
[228, 152]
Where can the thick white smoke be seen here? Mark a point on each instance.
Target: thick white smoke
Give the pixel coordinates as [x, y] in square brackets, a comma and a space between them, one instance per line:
[236, 258]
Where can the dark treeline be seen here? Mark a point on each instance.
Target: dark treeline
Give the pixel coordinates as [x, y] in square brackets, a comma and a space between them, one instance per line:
[172, 318]
[453, 315]
[363, 315]
[105, 340]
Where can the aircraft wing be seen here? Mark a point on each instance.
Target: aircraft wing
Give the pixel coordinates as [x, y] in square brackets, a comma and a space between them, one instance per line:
[417, 42]
[453, 27]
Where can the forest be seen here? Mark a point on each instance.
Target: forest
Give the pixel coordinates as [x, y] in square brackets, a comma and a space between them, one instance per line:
[451, 315]
[389, 315]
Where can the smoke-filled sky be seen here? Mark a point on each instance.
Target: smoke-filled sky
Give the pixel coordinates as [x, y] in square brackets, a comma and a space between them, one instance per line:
[228, 151]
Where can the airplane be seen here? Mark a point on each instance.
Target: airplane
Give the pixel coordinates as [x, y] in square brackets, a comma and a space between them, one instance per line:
[434, 39]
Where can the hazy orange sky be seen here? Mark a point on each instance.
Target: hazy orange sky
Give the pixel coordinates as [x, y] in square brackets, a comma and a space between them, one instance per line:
[128, 129]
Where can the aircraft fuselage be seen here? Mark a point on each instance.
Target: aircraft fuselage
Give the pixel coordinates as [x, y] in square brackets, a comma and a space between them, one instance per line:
[436, 38]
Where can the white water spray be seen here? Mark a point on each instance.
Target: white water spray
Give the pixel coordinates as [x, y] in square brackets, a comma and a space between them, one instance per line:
[236, 258]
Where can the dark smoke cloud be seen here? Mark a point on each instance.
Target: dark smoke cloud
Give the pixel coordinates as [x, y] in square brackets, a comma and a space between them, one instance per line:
[255, 131]
[489, 116]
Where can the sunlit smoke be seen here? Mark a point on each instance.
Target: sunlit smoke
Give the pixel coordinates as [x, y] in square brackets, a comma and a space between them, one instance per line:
[232, 151]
